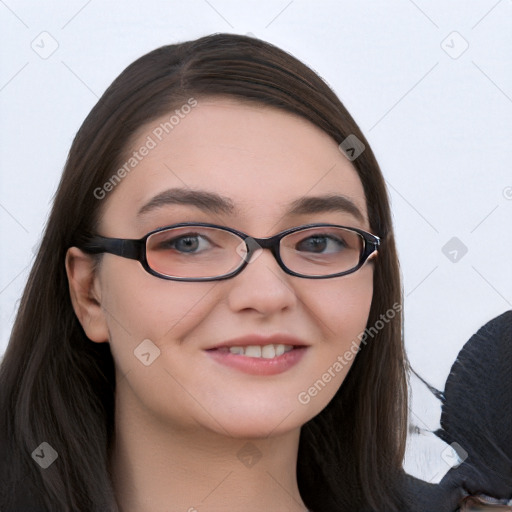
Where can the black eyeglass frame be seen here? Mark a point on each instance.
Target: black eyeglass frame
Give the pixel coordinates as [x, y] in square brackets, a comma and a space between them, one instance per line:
[136, 249]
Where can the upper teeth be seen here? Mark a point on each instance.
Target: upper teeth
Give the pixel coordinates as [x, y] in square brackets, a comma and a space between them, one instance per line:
[265, 351]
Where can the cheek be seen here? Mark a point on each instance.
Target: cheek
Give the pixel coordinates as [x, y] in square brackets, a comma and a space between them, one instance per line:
[342, 305]
[139, 306]
[341, 309]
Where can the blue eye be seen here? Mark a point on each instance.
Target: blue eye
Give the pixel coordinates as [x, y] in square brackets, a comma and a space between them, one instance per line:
[190, 243]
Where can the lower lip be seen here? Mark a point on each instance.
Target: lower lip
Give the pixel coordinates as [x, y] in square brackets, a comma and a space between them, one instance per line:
[259, 365]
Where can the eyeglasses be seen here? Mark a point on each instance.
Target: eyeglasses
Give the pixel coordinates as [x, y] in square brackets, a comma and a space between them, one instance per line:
[207, 252]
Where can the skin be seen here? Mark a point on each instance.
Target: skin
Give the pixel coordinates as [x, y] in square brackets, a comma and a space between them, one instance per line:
[181, 421]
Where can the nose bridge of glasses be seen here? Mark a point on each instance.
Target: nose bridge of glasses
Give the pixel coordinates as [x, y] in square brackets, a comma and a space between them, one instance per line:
[252, 247]
[261, 243]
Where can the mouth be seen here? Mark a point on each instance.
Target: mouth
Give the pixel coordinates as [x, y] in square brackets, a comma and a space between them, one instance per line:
[258, 359]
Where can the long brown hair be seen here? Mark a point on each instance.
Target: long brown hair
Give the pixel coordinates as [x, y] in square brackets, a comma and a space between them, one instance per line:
[57, 386]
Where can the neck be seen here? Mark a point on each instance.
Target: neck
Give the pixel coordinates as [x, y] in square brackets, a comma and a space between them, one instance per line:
[157, 468]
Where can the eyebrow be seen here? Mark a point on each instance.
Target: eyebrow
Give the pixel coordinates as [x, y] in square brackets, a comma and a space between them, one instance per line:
[211, 202]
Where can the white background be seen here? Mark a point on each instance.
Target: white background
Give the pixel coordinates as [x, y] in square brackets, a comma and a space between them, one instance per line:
[437, 117]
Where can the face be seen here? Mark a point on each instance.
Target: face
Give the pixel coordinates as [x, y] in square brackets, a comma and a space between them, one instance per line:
[260, 160]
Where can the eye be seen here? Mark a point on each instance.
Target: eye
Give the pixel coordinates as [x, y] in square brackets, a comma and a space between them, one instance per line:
[321, 244]
[189, 243]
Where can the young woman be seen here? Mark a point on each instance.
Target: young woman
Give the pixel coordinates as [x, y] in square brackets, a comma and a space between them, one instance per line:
[213, 320]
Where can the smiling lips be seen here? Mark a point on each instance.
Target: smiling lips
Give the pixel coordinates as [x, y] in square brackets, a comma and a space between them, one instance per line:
[259, 355]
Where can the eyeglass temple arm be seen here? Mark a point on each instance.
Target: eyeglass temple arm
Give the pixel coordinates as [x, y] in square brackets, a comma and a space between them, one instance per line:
[132, 249]
[371, 246]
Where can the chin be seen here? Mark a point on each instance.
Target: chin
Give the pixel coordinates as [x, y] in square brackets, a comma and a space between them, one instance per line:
[250, 428]
[258, 422]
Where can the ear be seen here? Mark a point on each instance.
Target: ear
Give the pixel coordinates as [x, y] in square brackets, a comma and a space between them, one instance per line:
[85, 292]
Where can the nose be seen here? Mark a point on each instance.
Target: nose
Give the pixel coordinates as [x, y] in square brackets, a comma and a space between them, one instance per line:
[262, 286]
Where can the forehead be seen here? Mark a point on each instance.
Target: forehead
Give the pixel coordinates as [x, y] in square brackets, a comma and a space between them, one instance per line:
[261, 158]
